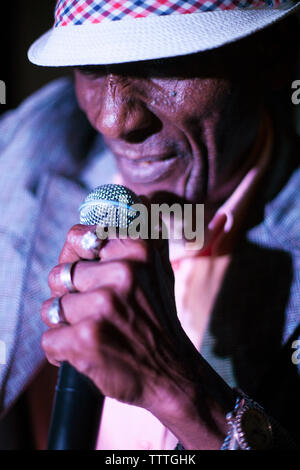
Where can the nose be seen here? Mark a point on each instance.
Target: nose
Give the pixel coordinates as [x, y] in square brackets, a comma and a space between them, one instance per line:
[122, 115]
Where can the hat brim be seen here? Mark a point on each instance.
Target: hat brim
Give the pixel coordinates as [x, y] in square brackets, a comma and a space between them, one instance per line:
[154, 37]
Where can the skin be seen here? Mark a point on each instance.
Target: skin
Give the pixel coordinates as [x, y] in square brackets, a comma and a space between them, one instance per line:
[195, 118]
[118, 330]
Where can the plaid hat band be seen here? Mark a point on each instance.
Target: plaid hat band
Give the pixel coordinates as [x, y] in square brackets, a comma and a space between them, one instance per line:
[78, 12]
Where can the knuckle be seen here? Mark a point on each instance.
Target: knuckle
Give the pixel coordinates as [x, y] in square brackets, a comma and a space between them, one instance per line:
[73, 233]
[105, 299]
[125, 273]
[87, 334]
[140, 249]
[124, 276]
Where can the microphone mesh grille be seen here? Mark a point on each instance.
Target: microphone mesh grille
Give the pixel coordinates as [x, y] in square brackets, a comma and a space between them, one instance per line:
[109, 206]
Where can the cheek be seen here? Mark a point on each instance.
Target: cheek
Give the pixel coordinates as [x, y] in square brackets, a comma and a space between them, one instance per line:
[199, 98]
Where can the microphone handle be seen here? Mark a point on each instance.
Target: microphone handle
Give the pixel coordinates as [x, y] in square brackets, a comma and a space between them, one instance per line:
[76, 412]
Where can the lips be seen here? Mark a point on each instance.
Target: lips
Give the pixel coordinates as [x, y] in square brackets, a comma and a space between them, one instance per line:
[147, 169]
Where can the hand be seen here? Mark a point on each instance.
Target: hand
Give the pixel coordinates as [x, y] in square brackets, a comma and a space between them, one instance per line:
[122, 329]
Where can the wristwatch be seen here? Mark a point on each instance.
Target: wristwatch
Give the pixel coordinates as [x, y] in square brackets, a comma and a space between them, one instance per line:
[249, 426]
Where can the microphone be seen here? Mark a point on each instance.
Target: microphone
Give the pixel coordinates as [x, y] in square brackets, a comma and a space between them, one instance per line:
[78, 403]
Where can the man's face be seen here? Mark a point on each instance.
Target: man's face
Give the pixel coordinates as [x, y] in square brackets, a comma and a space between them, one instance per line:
[182, 126]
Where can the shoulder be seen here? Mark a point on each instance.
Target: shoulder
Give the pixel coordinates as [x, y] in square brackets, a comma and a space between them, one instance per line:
[55, 98]
[279, 232]
[282, 215]
[279, 199]
[47, 132]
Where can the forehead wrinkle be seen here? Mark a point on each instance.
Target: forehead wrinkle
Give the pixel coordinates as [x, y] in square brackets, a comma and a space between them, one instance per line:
[117, 83]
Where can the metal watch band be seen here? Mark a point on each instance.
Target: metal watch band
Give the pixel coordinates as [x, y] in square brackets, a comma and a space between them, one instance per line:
[235, 439]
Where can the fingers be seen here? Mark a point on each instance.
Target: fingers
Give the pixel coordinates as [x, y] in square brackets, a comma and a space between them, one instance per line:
[135, 250]
[81, 243]
[76, 307]
[68, 343]
[90, 275]
[48, 340]
[83, 343]
[90, 347]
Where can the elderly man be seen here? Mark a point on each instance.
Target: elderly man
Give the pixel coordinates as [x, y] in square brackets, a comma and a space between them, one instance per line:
[180, 95]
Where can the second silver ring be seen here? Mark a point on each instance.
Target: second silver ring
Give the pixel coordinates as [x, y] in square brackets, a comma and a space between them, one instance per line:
[66, 277]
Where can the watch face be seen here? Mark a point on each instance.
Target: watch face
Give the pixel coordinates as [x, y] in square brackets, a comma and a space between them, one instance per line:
[256, 429]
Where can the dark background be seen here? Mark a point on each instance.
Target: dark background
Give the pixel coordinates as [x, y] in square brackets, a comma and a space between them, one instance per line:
[23, 21]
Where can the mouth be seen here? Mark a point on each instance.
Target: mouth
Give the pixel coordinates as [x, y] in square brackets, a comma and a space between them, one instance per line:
[148, 169]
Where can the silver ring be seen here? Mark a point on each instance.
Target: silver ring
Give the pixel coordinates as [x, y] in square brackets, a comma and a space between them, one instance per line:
[54, 313]
[66, 277]
[90, 241]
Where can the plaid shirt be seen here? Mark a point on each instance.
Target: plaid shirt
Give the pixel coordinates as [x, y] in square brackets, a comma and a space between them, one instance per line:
[49, 159]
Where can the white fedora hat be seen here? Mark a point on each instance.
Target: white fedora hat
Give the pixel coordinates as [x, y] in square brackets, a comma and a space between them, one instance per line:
[95, 32]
